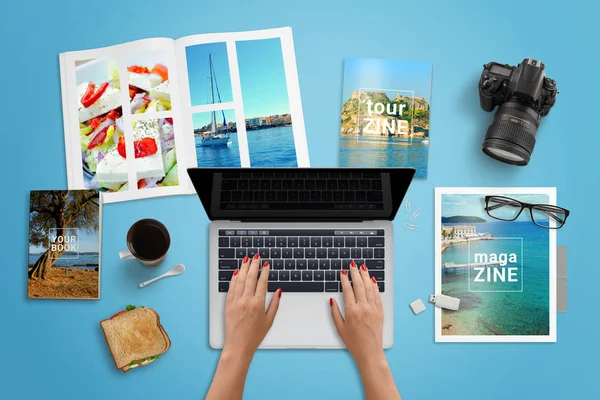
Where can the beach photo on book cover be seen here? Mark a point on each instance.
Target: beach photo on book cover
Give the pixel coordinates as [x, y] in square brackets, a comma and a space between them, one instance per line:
[503, 272]
[385, 114]
[64, 244]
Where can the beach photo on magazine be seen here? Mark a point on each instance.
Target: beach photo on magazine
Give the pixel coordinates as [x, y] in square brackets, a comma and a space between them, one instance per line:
[385, 114]
[501, 271]
[64, 244]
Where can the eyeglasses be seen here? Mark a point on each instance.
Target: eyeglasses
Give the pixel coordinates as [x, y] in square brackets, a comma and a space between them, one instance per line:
[543, 215]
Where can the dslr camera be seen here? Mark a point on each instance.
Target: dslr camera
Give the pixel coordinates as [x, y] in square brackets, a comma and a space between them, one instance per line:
[524, 94]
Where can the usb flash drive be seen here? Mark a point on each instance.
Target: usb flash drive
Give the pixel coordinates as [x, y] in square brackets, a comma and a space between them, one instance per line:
[443, 301]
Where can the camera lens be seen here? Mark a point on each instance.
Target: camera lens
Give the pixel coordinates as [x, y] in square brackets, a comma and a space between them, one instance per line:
[511, 136]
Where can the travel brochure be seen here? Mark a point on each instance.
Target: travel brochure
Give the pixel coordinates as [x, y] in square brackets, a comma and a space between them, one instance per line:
[503, 272]
[385, 114]
[137, 115]
[64, 244]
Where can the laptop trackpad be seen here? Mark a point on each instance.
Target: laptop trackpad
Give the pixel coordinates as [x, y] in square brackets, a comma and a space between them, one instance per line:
[304, 320]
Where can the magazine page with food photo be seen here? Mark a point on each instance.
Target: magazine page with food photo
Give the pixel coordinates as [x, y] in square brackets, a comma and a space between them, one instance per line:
[122, 121]
[137, 115]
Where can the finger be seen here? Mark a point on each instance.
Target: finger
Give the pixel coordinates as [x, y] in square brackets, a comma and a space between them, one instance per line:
[368, 284]
[252, 276]
[231, 291]
[347, 289]
[239, 286]
[357, 283]
[376, 293]
[338, 320]
[263, 281]
[273, 307]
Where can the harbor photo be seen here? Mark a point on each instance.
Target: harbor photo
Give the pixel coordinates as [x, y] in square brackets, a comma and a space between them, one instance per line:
[499, 270]
[267, 120]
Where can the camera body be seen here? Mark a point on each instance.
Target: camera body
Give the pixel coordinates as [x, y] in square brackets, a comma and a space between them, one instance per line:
[524, 94]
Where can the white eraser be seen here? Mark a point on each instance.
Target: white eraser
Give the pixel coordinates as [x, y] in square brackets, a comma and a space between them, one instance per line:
[417, 306]
[443, 301]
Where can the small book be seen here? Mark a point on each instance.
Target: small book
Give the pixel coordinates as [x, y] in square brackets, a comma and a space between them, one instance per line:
[64, 244]
[139, 114]
[385, 114]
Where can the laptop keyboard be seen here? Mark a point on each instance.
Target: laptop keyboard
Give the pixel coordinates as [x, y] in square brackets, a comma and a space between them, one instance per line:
[301, 190]
[303, 260]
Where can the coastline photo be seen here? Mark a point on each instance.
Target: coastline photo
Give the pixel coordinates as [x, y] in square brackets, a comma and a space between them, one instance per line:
[64, 244]
[501, 271]
[385, 114]
[266, 106]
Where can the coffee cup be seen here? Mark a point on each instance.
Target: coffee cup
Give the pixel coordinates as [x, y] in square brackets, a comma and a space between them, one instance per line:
[148, 240]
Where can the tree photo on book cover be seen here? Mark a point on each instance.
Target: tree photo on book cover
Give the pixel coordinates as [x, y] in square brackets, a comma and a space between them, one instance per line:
[57, 219]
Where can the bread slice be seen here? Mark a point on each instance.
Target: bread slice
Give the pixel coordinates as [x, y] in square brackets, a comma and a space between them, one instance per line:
[135, 335]
[144, 363]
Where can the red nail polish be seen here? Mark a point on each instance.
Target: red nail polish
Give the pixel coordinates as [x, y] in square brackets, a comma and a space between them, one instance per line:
[363, 267]
[373, 279]
[245, 259]
[353, 264]
[280, 291]
[256, 256]
[236, 272]
[330, 302]
[344, 272]
[266, 265]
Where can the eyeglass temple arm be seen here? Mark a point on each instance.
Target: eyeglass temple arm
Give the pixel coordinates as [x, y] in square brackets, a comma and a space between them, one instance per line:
[554, 217]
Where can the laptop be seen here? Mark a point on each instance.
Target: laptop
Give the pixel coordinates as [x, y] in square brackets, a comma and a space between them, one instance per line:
[309, 224]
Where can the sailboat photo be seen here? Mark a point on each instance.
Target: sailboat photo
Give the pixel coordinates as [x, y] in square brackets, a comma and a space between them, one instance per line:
[222, 135]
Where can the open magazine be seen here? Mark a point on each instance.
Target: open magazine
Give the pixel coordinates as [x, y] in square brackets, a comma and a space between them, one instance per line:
[137, 115]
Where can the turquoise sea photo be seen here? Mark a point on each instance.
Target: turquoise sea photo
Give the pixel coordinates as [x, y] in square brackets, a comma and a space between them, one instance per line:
[500, 271]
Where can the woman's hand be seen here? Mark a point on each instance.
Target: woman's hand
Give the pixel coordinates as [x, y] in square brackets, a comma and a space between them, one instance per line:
[362, 329]
[246, 322]
[362, 332]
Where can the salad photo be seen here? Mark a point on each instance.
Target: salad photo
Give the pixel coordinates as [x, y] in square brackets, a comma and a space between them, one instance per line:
[102, 134]
[149, 88]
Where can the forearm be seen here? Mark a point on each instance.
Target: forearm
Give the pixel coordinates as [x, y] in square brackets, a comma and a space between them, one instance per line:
[228, 383]
[377, 379]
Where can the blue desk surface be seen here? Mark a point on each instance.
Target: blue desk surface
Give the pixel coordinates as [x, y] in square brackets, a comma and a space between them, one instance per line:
[55, 349]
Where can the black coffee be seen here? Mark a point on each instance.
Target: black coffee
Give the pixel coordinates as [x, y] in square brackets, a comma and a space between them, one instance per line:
[149, 239]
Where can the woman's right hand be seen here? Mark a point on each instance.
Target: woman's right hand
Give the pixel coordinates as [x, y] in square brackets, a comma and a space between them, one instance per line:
[362, 332]
[362, 328]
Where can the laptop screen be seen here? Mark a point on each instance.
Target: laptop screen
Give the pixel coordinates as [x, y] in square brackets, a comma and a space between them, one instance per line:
[300, 194]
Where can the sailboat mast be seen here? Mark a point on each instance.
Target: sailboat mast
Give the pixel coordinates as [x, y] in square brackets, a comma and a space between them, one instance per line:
[212, 95]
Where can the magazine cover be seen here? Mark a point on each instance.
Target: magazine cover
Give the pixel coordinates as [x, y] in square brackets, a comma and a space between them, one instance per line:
[137, 115]
[385, 114]
[503, 272]
[64, 244]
